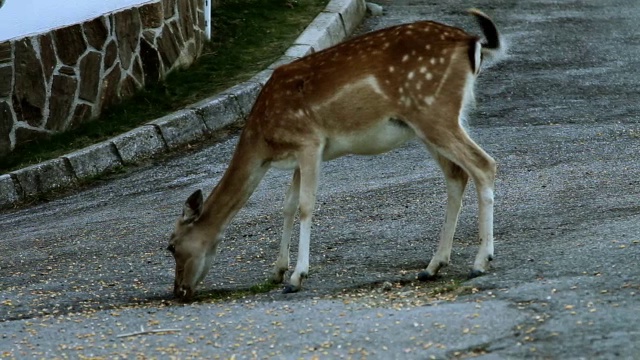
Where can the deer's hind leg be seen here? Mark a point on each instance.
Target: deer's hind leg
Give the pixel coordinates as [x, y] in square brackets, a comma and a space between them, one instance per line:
[309, 160]
[291, 201]
[456, 179]
[451, 141]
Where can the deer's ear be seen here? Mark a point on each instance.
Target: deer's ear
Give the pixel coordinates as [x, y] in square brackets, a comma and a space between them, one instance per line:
[192, 207]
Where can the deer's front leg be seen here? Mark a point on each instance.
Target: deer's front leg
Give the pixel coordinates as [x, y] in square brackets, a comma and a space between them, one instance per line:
[290, 207]
[309, 165]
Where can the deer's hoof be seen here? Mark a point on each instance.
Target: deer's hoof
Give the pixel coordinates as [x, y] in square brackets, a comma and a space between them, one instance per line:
[290, 289]
[277, 278]
[475, 273]
[426, 276]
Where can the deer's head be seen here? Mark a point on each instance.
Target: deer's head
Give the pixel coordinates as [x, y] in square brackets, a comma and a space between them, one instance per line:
[191, 247]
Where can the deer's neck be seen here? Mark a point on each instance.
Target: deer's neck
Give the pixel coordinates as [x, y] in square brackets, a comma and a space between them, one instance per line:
[245, 171]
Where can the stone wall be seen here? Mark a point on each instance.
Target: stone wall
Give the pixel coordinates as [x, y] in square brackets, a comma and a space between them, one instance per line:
[55, 81]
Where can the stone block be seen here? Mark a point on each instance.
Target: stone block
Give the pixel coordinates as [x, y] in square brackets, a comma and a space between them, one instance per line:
[110, 54]
[27, 134]
[324, 31]
[63, 90]
[201, 20]
[96, 32]
[94, 160]
[5, 52]
[218, 111]
[6, 76]
[262, 77]
[194, 6]
[180, 128]
[90, 76]
[127, 87]
[81, 114]
[299, 51]
[150, 62]
[151, 15]
[47, 56]
[8, 193]
[351, 12]
[283, 60]
[29, 88]
[44, 177]
[246, 94]
[200, 40]
[167, 47]
[150, 36]
[139, 144]
[6, 124]
[169, 8]
[137, 71]
[127, 30]
[177, 35]
[186, 19]
[69, 44]
[110, 84]
[67, 70]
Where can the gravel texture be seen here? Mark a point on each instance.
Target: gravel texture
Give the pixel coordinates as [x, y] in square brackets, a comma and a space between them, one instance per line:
[561, 118]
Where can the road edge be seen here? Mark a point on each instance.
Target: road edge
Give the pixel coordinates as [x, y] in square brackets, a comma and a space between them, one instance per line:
[194, 123]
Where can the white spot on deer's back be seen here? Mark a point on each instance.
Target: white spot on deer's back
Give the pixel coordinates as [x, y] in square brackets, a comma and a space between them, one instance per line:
[423, 70]
[429, 100]
[428, 76]
[433, 61]
[411, 75]
[391, 69]
[405, 58]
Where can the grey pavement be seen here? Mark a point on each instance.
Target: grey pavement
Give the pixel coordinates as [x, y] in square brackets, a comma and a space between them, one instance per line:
[560, 116]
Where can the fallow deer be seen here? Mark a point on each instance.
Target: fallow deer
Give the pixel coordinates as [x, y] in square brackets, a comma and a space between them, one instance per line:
[365, 96]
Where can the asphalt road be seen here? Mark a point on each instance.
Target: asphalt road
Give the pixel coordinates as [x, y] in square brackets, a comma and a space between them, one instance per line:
[560, 116]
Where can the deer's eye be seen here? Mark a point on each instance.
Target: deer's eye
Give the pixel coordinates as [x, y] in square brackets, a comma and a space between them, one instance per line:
[171, 248]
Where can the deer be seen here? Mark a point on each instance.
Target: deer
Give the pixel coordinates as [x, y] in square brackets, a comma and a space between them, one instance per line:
[365, 96]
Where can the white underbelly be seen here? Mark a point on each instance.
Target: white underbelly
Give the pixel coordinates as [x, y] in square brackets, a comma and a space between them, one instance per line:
[385, 136]
[288, 163]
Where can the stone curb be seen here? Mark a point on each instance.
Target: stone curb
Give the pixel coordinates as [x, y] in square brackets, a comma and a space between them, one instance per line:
[194, 123]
